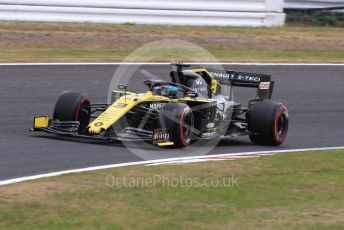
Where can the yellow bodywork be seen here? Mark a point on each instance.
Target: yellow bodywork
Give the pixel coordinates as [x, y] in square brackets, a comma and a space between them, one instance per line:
[125, 103]
[119, 108]
[165, 144]
[40, 122]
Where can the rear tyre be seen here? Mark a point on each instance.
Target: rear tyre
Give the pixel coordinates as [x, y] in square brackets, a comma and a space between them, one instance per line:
[179, 120]
[268, 121]
[73, 106]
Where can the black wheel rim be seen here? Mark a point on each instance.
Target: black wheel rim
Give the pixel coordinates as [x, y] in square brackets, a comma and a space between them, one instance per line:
[187, 125]
[281, 125]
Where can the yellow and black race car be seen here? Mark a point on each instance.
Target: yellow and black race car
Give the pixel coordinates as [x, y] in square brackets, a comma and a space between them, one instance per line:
[189, 107]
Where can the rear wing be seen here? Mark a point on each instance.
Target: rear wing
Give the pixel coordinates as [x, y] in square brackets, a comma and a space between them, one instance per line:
[262, 82]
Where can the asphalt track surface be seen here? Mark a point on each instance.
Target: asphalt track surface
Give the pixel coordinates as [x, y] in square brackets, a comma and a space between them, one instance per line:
[314, 96]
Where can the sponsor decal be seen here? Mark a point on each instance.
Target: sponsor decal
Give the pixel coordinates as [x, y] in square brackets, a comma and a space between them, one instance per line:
[210, 125]
[264, 85]
[161, 136]
[199, 81]
[200, 89]
[248, 78]
[223, 76]
[232, 76]
[121, 105]
[156, 106]
[98, 124]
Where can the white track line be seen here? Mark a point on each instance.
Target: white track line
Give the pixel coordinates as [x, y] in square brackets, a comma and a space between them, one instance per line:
[167, 63]
[210, 158]
[53, 174]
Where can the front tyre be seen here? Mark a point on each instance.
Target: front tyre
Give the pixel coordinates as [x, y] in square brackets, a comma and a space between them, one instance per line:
[179, 120]
[268, 121]
[73, 106]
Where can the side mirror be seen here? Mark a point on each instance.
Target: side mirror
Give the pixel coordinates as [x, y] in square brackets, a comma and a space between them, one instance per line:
[122, 87]
[191, 94]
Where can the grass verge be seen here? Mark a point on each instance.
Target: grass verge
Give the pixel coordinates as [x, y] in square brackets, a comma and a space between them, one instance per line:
[287, 191]
[44, 42]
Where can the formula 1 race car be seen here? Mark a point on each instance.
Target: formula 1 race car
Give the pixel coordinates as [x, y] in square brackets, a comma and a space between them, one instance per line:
[174, 113]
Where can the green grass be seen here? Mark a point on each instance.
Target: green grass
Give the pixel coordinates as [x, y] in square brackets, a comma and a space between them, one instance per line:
[222, 55]
[287, 191]
[60, 42]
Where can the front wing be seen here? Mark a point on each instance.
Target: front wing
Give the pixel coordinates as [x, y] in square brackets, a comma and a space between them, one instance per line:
[70, 129]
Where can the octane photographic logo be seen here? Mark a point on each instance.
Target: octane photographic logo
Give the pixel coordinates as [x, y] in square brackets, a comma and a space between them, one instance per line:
[174, 51]
[164, 181]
